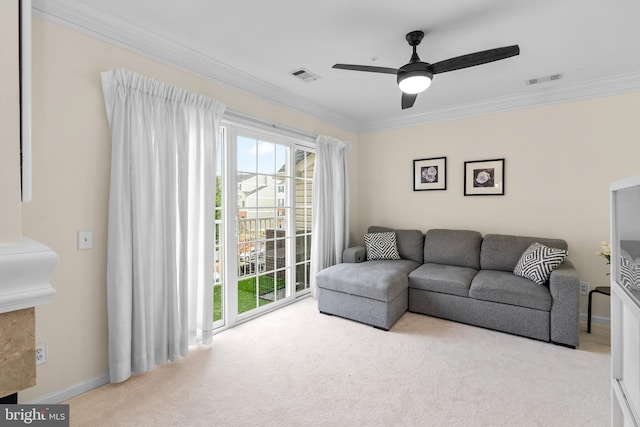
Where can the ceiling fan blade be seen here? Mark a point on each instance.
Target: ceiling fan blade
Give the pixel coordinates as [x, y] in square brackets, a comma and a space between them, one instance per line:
[408, 99]
[473, 59]
[366, 68]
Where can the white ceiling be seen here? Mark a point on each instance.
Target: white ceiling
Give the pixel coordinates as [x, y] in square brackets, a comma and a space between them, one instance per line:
[255, 44]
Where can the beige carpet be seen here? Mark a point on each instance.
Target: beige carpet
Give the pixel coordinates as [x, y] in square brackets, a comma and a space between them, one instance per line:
[296, 367]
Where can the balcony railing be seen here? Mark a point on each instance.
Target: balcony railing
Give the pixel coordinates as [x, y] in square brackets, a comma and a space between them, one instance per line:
[261, 245]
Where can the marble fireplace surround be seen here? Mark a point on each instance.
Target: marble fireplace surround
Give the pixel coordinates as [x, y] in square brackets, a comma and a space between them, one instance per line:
[25, 269]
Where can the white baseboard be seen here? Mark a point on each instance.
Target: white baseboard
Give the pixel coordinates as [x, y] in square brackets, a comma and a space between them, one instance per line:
[596, 319]
[74, 390]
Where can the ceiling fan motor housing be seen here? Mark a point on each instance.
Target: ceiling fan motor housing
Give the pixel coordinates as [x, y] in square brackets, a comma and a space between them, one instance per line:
[414, 38]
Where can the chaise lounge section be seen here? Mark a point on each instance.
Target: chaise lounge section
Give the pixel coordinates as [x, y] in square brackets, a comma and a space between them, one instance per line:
[372, 292]
[456, 275]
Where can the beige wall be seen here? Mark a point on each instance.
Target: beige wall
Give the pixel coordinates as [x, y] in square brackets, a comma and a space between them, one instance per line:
[9, 123]
[559, 163]
[71, 160]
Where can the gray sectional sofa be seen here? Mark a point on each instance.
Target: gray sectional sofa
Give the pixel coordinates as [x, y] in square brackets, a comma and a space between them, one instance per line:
[457, 275]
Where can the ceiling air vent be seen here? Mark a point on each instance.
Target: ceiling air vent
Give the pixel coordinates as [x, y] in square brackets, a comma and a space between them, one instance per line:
[305, 75]
[545, 79]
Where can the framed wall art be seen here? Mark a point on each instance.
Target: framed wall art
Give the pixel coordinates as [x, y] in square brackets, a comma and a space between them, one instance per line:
[430, 174]
[484, 178]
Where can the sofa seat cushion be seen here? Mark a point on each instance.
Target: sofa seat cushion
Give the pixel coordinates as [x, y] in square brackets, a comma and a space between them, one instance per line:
[507, 288]
[381, 280]
[446, 279]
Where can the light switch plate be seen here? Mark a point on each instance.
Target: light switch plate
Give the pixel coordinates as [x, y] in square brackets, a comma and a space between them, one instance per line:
[85, 240]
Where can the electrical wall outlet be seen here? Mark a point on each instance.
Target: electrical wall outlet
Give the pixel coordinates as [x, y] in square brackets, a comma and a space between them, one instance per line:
[41, 353]
[584, 288]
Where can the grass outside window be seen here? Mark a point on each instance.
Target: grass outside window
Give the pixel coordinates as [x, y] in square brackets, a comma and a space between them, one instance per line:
[247, 294]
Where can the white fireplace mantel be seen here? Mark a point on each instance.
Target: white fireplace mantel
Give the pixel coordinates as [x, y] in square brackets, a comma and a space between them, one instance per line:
[25, 269]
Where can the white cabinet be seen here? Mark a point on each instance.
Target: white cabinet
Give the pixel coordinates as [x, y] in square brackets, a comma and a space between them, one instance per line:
[625, 302]
[625, 358]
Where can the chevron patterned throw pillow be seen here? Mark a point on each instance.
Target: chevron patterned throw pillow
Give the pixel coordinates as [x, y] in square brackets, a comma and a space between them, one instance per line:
[629, 270]
[538, 261]
[381, 246]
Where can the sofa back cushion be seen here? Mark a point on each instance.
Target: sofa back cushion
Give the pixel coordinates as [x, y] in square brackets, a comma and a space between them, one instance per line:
[453, 247]
[631, 247]
[502, 252]
[410, 242]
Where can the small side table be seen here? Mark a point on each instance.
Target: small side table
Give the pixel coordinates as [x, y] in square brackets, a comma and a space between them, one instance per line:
[604, 290]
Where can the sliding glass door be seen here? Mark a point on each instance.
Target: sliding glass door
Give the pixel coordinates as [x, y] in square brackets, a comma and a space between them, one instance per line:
[264, 223]
[263, 212]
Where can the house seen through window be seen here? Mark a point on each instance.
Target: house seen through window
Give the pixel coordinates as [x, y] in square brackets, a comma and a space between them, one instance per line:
[263, 222]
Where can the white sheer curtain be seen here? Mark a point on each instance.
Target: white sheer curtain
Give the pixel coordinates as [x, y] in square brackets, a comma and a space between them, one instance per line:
[330, 205]
[160, 267]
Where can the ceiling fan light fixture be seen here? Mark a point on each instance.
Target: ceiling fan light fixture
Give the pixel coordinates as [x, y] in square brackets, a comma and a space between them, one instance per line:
[414, 77]
[413, 83]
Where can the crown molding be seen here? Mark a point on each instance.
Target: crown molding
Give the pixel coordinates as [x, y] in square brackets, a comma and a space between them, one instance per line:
[614, 85]
[105, 27]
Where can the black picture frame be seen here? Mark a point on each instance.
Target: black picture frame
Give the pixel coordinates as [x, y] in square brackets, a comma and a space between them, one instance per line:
[430, 174]
[484, 177]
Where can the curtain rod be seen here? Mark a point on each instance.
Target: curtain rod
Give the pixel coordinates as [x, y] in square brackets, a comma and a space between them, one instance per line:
[242, 118]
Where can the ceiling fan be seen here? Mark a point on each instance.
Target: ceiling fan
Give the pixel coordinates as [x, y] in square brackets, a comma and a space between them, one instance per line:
[416, 76]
